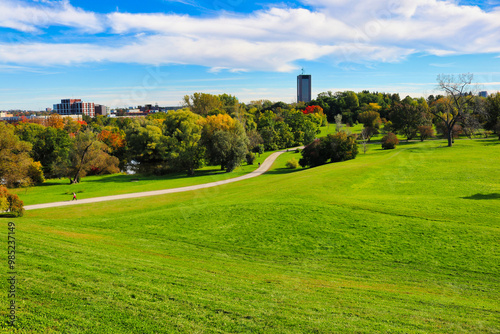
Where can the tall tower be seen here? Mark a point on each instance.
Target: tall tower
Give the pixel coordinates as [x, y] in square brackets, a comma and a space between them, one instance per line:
[304, 87]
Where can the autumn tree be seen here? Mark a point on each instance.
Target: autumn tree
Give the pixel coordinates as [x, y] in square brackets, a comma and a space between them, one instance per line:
[114, 138]
[55, 121]
[10, 203]
[389, 141]
[425, 131]
[452, 109]
[225, 141]
[72, 126]
[15, 159]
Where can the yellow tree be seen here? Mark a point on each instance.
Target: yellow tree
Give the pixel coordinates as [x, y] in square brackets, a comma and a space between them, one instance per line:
[55, 121]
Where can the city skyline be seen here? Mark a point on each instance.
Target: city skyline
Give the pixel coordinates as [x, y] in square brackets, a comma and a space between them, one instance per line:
[127, 54]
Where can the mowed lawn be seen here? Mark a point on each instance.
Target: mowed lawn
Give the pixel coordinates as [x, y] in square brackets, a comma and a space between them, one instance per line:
[401, 241]
[57, 190]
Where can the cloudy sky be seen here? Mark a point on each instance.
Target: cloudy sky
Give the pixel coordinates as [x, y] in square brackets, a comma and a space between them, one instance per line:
[128, 53]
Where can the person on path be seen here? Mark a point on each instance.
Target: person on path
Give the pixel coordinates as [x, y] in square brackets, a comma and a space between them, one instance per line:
[74, 197]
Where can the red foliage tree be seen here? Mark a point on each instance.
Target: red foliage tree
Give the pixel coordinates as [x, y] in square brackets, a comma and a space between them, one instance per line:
[313, 110]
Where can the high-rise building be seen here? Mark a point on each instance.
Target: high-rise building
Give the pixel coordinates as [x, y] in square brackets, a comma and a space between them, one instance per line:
[75, 107]
[483, 93]
[304, 88]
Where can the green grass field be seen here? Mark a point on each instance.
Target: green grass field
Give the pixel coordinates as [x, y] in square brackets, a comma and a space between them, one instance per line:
[401, 241]
[56, 190]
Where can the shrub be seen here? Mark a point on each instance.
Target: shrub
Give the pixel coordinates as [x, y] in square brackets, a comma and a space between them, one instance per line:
[292, 163]
[258, 149]
[334, 148]
[389, 141]
[10, 203]
[250, 158]
[425, 131]
[16, 206]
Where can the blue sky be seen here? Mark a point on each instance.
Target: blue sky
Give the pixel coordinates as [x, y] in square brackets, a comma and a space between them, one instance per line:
[128, 53]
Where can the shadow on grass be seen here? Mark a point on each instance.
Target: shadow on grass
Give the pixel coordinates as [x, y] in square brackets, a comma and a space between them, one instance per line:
[483, 196]
[52, 182]
[137, 177]
[489, 141]
[278, 171]
[8, 215]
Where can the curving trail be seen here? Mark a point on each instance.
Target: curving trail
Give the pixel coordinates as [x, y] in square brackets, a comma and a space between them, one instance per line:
[264, 167]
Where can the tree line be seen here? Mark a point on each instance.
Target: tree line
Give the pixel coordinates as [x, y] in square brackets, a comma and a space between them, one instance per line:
[459, 112]
[211, 130]
[219, 130]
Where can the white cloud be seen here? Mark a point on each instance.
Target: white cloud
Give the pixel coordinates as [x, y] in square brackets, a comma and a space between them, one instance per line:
[28, 17]
[274, 39]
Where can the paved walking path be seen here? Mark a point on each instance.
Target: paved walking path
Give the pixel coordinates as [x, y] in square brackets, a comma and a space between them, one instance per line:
[264, 167]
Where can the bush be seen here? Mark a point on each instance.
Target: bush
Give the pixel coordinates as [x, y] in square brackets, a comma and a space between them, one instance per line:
[334, 148]
[389, 141]
[10, 203]
[259, 149]
[425, 131]
[292, 163]
[16, 206]
[250, 158]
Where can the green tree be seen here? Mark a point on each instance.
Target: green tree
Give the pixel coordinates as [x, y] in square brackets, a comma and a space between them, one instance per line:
[371, 121]
[492, 111]
[147, 147]
[15, 158]
[202, 103]
[183, 131]
[50, 146]
[88, 155]
[332, 148]
[225, 140]
[406, 118]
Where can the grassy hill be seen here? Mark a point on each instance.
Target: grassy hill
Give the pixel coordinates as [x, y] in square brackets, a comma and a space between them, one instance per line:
[403, 241]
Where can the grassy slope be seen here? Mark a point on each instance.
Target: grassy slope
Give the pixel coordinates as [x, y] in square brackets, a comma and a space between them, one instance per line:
[394, 241]
[94, 186]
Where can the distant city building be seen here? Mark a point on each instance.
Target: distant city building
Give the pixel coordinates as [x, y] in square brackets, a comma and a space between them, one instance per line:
[483, 93]
[101, 110]
[304, 88]
[75, 107]
[48, 109]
